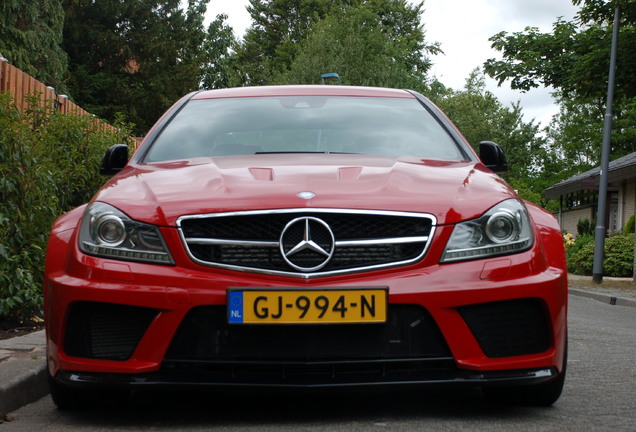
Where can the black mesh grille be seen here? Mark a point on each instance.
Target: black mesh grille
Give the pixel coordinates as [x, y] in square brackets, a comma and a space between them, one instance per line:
[354, 228]
[270, 258]
[509, 328]
[105, 331]
[345, 226]
[205, 335]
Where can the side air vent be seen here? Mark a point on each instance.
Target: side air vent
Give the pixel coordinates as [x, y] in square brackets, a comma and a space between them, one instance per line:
[105, 331]
[510, 327]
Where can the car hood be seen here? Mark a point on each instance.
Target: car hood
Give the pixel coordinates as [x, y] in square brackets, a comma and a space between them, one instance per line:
[161, 193]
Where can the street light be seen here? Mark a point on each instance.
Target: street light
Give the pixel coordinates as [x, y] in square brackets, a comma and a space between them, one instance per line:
[329, 77]
[600, 231]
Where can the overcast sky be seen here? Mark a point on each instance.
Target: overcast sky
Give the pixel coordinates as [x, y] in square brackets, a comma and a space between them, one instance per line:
[463, 28]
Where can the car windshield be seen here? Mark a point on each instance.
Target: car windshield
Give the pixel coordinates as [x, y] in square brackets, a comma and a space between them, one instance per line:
[303, 124]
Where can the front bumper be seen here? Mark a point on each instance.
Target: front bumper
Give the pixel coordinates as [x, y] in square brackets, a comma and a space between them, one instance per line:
[445, 292]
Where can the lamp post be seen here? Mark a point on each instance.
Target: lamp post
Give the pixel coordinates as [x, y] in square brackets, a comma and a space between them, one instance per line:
[329, 77]
[600, 230]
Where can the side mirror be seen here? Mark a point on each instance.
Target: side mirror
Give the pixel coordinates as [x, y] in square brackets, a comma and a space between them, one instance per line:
[114, 160]
[492, 155]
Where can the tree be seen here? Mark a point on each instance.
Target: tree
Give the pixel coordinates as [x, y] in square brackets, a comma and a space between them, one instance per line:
[279, 27]
[481, 117]
[355, 42]
[30, 37]
[574, 59]
[137, 57]
[577, 133]
[218, 61]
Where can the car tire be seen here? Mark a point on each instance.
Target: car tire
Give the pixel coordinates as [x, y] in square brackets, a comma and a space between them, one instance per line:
[544, 394]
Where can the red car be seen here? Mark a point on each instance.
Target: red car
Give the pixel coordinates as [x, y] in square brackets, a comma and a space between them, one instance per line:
[304, 237]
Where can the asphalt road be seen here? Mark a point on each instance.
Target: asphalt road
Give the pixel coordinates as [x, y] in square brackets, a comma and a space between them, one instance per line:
[600, 394]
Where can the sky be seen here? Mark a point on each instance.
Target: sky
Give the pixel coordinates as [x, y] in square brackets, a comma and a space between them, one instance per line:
[463, 28]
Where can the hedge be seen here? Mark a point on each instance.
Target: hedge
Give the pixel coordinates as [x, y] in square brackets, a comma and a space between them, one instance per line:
[49, 163]
[618, 259]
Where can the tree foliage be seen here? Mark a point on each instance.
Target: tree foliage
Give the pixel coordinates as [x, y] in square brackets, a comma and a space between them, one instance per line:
[574, 58]
[138, 57]
[30, 38]
[277, 26]
[355, 43]
[218, 61]
[482, 117]
[280, 27]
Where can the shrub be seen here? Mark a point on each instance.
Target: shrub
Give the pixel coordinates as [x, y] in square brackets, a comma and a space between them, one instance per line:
[629, 226]
[618, 258]
[48, 164]
[585, 227]
[578, 254]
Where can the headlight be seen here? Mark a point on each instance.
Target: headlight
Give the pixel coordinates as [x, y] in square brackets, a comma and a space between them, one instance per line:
[109, 233]
[504, 229]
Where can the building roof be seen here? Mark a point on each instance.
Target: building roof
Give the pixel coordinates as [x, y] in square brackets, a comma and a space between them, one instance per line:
[619, 169]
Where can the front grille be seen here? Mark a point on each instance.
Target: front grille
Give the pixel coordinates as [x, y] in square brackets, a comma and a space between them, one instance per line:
[205, 335]
[334, 241]
[409, 347]
[105, 331]
[510, 327]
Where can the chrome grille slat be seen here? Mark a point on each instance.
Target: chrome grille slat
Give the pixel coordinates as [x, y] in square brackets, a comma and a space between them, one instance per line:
[206, 241]
[382, 241]
[251, 241]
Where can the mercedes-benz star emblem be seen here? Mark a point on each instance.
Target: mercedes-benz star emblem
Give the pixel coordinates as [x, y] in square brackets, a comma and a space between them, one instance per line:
[307, 244]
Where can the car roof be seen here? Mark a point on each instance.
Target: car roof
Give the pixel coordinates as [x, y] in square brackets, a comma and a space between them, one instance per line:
[303, 90]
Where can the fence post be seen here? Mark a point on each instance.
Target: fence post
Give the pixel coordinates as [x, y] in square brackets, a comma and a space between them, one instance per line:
[63, 99]
[3, 63]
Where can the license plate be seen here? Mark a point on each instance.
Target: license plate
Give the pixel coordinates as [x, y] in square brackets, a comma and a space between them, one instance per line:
[291, 306]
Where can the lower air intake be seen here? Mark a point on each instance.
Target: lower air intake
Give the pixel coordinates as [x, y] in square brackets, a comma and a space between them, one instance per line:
[105, 331]
[509, 328]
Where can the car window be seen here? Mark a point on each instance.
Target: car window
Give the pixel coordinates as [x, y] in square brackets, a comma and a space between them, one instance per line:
[303, 124]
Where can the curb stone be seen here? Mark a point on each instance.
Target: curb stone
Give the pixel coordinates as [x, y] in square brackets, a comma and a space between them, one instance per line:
[23, 381]
[604, 298]
[22, 371]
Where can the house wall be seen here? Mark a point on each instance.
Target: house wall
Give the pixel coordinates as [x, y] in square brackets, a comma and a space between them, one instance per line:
[579, 195]
[569, 219]
[626, 207]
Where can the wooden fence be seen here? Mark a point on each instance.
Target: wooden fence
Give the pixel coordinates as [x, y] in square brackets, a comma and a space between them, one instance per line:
[20, 84]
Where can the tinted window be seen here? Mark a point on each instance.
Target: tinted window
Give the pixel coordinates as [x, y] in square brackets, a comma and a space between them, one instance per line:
[365, 125]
